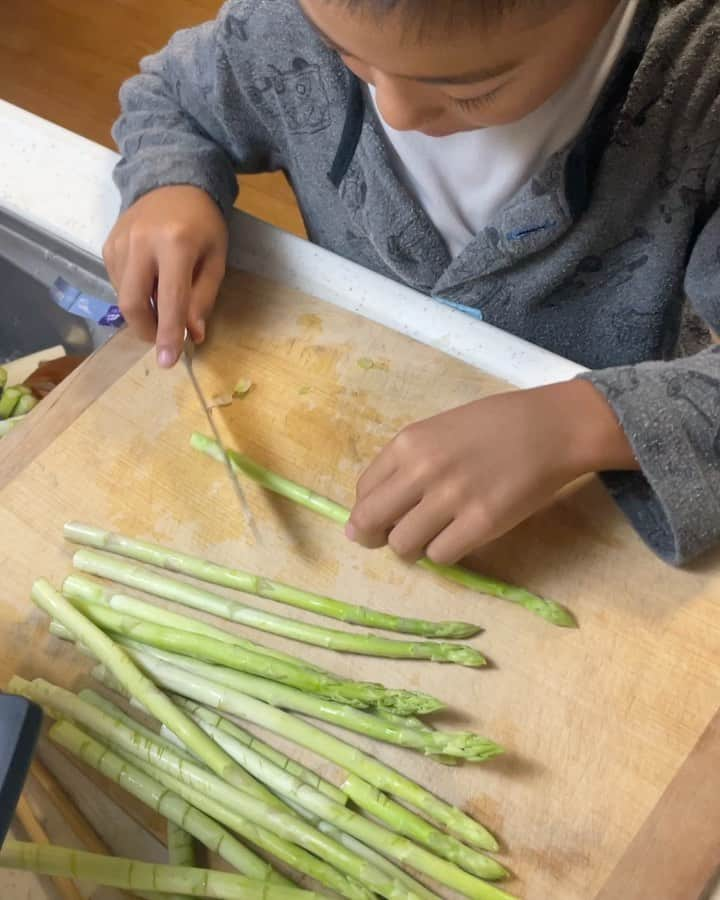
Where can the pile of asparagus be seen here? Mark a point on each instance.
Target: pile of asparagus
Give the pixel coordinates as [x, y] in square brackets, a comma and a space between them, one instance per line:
[16, 401]
[267, 815]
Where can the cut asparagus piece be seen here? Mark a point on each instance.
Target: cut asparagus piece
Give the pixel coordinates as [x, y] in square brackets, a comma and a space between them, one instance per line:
[208, 649]
[204, 784]
[78, 587]
[326, 745]
[240, 734]
[139, 685]
[26, 403]
[403, 821]
[131, 874]
[546, 609]
[370, 833]
[3, 378]
[171, 806]
[185, 564]
[7, 425]
[139, 576]
[8, 402]
[462, 744]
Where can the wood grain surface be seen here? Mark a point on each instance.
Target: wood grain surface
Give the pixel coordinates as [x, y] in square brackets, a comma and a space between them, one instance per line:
[597, 721]
[677, 852]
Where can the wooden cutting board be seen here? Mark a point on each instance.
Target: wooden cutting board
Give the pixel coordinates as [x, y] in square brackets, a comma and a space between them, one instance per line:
[597, 721]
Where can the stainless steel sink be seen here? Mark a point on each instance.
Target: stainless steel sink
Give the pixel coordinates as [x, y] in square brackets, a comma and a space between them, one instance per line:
[30, 262]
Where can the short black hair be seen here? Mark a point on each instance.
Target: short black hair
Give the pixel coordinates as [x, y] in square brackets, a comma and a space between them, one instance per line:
[450, 13]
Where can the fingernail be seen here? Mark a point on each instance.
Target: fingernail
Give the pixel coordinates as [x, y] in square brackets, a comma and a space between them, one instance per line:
[166, 358]
[350, 532]
[200, 331]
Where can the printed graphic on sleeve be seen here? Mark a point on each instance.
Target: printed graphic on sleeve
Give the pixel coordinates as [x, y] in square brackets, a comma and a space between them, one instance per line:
[697, 397]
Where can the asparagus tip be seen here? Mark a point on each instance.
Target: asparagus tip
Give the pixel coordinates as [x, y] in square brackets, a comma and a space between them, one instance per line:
[411, 703]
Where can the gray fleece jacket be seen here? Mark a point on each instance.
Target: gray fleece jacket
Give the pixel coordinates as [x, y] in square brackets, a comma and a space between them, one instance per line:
[593, 259]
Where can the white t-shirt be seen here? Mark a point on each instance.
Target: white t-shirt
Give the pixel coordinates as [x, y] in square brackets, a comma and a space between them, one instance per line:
[464, 180]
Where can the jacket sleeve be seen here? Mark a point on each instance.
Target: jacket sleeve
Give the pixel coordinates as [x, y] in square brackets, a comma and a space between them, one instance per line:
[670, 411]
[188, 118]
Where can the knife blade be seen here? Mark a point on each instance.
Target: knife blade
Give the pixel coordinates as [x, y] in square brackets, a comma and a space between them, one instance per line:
[188, 355]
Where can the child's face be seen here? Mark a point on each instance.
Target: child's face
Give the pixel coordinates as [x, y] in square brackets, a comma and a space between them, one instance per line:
[445, 80]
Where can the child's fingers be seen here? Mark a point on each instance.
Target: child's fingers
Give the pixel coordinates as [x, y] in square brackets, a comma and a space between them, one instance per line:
[460, 538]
[173, 302]
[134, 292]
[374, 516]
[202, 299]
[418, 528]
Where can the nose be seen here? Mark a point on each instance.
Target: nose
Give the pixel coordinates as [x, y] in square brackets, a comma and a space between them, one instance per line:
[402, 103]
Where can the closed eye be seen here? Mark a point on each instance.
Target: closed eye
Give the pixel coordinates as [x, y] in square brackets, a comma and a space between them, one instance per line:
[471, 103]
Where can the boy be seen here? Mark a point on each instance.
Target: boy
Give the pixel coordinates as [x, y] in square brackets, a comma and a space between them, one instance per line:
[552, 165]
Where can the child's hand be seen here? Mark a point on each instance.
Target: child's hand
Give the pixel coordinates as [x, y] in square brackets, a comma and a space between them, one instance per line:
[451, 483]
[171, 244]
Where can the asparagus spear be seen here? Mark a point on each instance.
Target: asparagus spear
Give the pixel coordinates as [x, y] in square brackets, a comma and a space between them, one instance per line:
[174, 808]
[378, 860]
[99, 702]
[414, 722]
[130, 874]
[325, 745]
[283, 850]
[403, 821]
[547, 609]
[463, 744]
[77, 587]
[143, 578]
[108, 707]
[139, 685]
[353, 693]
[306, 775]
[185, 564]
[3, 378]
[270, 816]
[373, 835]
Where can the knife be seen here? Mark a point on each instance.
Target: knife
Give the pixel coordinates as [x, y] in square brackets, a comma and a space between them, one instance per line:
[187, 355]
